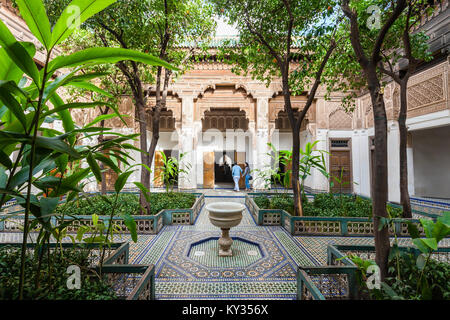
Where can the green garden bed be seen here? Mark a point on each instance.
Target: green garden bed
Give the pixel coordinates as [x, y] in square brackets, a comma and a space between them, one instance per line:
[325, 215]
[325, 205]
[115, 280]
[51, 284]
[166, 209]
[128, 203]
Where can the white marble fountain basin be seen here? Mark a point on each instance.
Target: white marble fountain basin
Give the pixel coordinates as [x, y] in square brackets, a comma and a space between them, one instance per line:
[225, 215]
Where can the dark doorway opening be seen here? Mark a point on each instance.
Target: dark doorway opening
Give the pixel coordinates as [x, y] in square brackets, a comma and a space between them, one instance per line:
[223, 162]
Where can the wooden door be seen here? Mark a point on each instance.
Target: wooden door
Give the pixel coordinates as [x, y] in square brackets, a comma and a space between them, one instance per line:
[208, 170]
[157, 180]
[110, 175]
[286, 168]
[240, 160]
[340, 161]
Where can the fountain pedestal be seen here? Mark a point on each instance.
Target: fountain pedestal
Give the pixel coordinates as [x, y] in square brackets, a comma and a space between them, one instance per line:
[225, 215]
[225, 243]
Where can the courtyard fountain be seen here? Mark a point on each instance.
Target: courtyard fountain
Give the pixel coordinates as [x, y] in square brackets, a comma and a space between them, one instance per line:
[225, 215]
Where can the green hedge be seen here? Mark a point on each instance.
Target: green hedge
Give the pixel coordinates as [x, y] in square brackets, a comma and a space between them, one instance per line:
[325, 205]
[436, 273]
[128, 203]
[52, 277]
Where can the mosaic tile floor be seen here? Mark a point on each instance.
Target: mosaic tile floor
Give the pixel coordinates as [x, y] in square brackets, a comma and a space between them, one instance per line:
[263, 267]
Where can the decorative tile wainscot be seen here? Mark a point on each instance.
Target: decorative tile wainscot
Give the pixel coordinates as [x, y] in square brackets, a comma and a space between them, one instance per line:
[322, 226]
[13, 222]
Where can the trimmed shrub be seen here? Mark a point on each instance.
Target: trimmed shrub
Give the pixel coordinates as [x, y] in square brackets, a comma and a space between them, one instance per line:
[52, 277]
[262, 201]
[325, 205]
[128, 203]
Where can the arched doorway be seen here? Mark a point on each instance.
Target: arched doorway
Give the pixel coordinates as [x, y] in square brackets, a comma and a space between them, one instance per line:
[224, 116]
[165, 145]
[225, 119]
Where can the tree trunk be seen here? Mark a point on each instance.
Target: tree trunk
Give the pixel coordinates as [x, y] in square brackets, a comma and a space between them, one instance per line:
[155, 134]
[382, 243]
[145, 174]
[404, 193]
[298, 210]
[160, 104]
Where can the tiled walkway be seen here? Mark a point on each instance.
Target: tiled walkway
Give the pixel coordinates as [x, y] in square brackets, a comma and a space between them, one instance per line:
[187, 265]
[263, 265]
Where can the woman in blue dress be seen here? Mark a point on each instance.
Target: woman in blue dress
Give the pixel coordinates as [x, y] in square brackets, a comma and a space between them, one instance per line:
[247, 177]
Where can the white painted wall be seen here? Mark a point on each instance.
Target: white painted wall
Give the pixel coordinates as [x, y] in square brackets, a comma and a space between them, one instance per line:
[431, 154]
[393, 146]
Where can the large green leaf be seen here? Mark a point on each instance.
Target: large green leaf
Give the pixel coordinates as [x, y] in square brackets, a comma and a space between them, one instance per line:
[48, 205]
[413, 230]
[144, 190]
[66, 117]
[445, 218]
[18, 53]
[89, 86]
[430, 242]
[49, 182]
[74, 15]
[11, 103]
[131, 225]
[89, 76]
[22, 176]
[34, 14]
[5, 160]
[9, 70]
[57, 144]
[421, 245]
[94, 166]
[100, 118]
[100, 157]
[52, 86]
[104, 55]
[72, 181]
[121, 180]
[10, 137]
[75, 105]
[440, 231]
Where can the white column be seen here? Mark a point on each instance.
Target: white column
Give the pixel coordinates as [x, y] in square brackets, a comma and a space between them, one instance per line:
[364, 159]
[393, 141]
[410, 158]
[320, 181]
[260, 158]
[356, 162]
[187, 145]
[252, 146]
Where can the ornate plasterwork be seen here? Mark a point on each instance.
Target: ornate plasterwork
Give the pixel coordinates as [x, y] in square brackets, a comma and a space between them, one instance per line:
[396, 103]
[223, 119]
[225, 97]
[367, 109]
[339, 119]
[427, 95]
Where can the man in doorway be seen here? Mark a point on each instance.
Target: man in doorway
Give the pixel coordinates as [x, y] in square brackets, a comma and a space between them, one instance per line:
[236, 173]
[225, 162]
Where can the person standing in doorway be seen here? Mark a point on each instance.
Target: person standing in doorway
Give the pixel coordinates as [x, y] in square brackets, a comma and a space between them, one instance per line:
[236, 172]
[247, 177]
